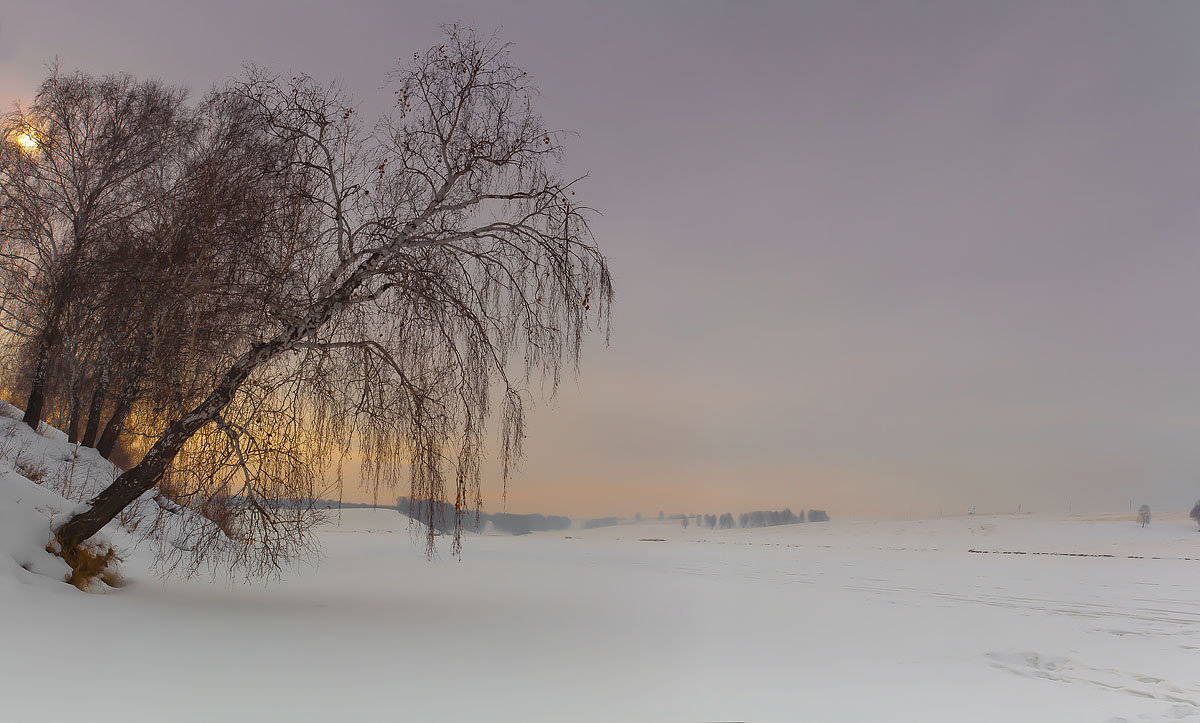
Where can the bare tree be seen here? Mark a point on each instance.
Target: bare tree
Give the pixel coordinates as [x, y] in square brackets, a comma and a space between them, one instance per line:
[69, 178]
[1144, 515]
[192, 282]
[1195, 513]
[410, 276]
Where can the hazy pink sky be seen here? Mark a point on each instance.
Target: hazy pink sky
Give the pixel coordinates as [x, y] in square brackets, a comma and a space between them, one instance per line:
[877, 258]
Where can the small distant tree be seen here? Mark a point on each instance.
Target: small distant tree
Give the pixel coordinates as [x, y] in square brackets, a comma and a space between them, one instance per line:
[1195, 514]
[1144, 515]
[683, 522]
[726, 521]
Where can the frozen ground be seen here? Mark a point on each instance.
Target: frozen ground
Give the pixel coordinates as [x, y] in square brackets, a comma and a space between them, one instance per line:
[841, 621]
[837, 622]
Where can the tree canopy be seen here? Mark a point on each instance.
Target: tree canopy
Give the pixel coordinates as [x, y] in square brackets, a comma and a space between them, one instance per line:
[308, 287]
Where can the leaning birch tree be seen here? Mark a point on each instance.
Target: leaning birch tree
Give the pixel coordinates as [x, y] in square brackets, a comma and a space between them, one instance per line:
[415, 280]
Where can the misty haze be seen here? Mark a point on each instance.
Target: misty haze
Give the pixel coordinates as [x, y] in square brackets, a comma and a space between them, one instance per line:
[528, 361]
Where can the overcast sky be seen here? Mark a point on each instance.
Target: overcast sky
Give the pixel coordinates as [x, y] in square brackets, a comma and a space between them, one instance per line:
[881, 258]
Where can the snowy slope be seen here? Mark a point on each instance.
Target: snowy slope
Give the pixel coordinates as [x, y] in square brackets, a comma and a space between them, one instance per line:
[44, 478]
[29, 509]
[26, 510]
[73, 473]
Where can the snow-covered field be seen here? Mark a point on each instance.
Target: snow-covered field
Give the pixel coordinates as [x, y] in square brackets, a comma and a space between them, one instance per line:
[842, 621]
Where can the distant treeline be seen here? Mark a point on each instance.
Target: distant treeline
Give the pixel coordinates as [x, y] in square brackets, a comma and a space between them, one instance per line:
[759, 518]
[504, 522]
[284, 504]
[598, 522]
[513, 524]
